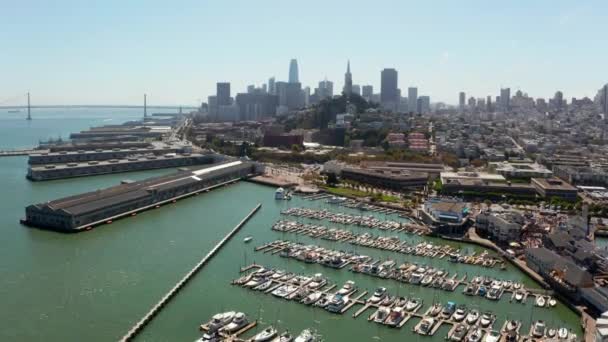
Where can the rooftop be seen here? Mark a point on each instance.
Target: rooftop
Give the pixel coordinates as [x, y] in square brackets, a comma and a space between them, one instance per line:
[553, 184]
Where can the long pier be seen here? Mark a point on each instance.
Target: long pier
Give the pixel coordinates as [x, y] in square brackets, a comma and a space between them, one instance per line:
[141, 324]
[21, 152]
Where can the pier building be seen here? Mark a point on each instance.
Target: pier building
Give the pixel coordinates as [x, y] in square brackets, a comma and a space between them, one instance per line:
[79, 212]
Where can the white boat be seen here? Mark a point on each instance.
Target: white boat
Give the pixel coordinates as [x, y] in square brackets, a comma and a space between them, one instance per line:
[519, 296]
[265, 335]
[492, 336]
[348, 288]
[263, 286]
[279, 194]
[540, 301]
[475, 335]
[458, 333]
[378, 295]
[305, 336]
[472, 317]
[551, 332]
[337, 303]
[312, 298]
[562, 333]
[459, 314]
[214, 337]
[395, 317]
[284, 337]
[412, 304]
[248, 239]
[240, 320]
[425, 326]
[538, 329]
[382, 314]
[219, 320]
[486, 319]
[552, 302]
[317, 282]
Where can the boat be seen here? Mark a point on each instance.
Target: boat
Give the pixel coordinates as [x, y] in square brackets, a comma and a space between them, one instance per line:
[337, 303]
[323, 301]
[552, 302]
[435, 310]
[562, 333]
[263, 286]
[317, 282]
[469, 290]
[395, 317]
[425, 326]
[538, 329]
[519, 296]
[426, 281]
[213, 337]
[460, 313]
[284, 337]
[239, 321]
[472, 317]
[279, 194]
[300, 294]
[512, 325]
[486, 319]
[412, 304]
[348, 288]
[305, 336]
[482, 291]
[283, 290]
[448, 310]
[492, 336]
[265, 335]
[551, 333]
[540, 301]
[248, 239]
[416, 278]
[312, 298]
[382, 314]
[458, 333]
[219, 320]
[378, 295]
[475, 335]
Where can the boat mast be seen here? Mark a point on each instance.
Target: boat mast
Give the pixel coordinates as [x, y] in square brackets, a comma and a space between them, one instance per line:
[29, 116]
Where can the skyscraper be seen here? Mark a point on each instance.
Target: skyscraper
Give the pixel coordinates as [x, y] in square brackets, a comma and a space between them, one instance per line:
[505, 98]
[223, 93]
[271, 88]
[412, 99]
[348, 81]
[356, 89]
[489, 103]
[461, 101]
[326, 89]
[388, 87]
[367, 92]
[293, 71]
[605, 97]
[558, 100]
[424, 104]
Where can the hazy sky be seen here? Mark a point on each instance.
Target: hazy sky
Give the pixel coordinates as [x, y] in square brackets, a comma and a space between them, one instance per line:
[78, 52]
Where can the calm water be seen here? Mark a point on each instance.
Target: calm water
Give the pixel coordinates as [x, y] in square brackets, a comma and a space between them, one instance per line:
[94, 285]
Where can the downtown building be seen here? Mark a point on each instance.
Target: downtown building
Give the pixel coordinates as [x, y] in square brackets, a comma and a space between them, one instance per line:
[389, 93]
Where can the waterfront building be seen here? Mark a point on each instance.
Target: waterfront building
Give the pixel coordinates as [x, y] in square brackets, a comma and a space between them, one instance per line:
[554, 187]
[500, 227]
[389, 95]
[223, 94]
[348, 81]
[444, 215]
[293, 71]
[389, 180]
[412, 100]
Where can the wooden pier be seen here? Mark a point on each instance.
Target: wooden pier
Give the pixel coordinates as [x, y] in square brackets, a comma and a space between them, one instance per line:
[141, 324]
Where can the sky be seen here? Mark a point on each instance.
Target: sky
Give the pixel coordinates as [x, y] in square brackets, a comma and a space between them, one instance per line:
[114, 51]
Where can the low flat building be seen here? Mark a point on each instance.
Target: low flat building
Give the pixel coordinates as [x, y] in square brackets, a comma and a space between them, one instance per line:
[446, 177]
[500, 227]
[479, 187]
[554, 187]
[433, 170]
[395, 180]
[284, 140]
[79, 212]
[520, 170]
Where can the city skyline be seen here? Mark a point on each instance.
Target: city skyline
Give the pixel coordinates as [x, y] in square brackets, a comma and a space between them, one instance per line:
[454, 53]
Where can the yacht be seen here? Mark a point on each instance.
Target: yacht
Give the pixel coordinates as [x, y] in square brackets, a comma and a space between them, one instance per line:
[425, 326]
[395, 317]
[213, 337]
[323, 301]
[412, 304]
[416, 278]
[512, 325]
[279, 194]
[263, 286]
[239, 321]
[265, 335]
[312, 298]
[348, 288]
[540, 301]
[458, 333]
[562, 333]
[472, 317]
[469, 290]
[482, 290]
[305, 336]
[448, 310]
[486, 319]
[435, 310]
[248, 239]
[378, 295]
[475, 335]
[284, 337]
[219, 320]
[552, 302]
[492, 336]
[494, 293]
[460, 313]
[426, 281]
[551, 333]
[337, 303]
[538, 329]
[382, 314]
[519, 296]
[317, 282]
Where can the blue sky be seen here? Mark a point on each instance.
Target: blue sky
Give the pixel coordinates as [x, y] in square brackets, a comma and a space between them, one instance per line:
[111, 52]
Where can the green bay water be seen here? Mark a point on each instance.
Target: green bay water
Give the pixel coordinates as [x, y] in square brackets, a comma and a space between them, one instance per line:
[94, 285]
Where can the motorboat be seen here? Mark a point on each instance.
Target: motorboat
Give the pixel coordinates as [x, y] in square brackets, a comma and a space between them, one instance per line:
[512, 325]
[426, 281]
[472, 317]
[412, 304]
[459, 314]
[284, 290]
[482, 290]
[494, 293]
[486, 319]
[552, 302]
[475, 335]
[337, 303]
[378, 295]
[395, 317]
[284, 337]
[348, 288]
[416, 278]
[210, 337]
[239, 321]
[248, 239]
[382, 314]
[540, 301]
[388, 301]
[519, 296]
[300, 294]
[435, 310]
[448, 284]
[538, 329]
[562, 333]
[305, 336]
[312, 298]
[323, 301]
[551, 333]
[425, 326]
[317, 282]
[492, 336]
[263, 286]
[219, 320]
[265, 335]
[469, 290]
[448, 310]
[458, 333]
